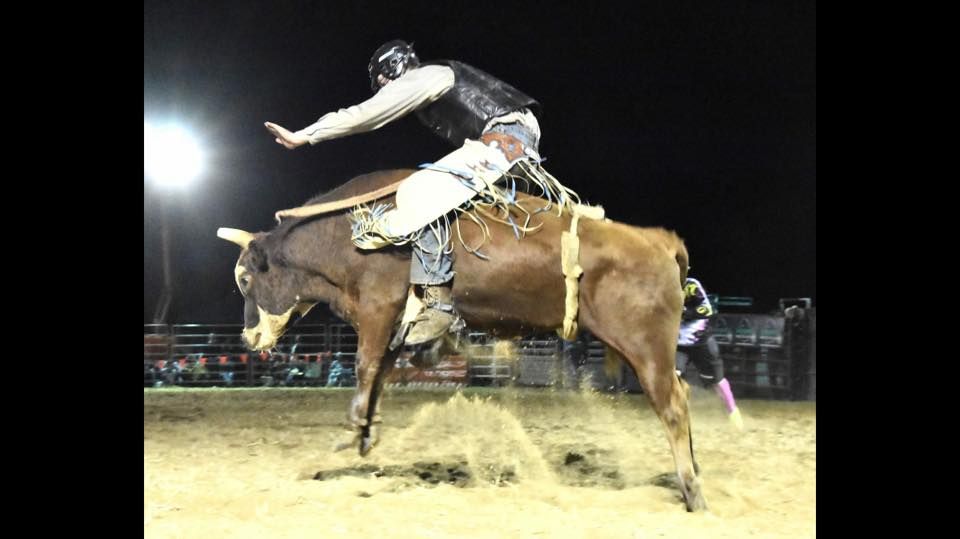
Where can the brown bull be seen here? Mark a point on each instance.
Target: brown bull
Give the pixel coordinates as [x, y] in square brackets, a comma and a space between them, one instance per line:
[630, 297]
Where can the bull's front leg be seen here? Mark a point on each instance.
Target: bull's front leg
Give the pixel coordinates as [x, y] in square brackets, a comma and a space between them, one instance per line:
[374, 362]
[365, 409]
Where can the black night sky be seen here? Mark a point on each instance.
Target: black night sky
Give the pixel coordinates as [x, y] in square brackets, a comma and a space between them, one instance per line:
[701, 119]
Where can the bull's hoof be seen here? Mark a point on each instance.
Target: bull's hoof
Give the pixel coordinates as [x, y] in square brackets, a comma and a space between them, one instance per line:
[696, 503]
[693, 497]
[690, 490]
[369, 437]
[366, 444]
[363, 444]
[364, 439]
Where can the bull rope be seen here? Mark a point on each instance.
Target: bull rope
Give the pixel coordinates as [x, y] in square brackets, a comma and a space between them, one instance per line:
[570, 263]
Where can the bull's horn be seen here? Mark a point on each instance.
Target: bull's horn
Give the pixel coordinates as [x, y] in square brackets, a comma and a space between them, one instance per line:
[240, 237]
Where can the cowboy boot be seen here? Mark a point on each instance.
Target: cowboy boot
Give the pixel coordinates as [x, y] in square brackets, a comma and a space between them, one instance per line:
[436, 319]
[726, 395]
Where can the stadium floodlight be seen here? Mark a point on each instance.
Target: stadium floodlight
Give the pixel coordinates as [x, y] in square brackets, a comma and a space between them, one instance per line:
[171, 156]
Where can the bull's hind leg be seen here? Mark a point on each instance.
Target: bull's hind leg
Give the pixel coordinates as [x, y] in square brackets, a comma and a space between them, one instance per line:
[669, 399]
[652, 360]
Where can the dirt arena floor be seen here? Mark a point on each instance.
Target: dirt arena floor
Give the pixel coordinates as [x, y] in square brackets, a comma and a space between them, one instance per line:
[511, 462]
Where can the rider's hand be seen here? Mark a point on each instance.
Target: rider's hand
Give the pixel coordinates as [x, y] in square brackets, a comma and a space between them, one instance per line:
[284, 137]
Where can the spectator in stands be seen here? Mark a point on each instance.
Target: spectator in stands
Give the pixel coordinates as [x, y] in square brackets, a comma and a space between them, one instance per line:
[196, 370]
[172, 373]
[313, 372]
[295, 367]
[338, 373]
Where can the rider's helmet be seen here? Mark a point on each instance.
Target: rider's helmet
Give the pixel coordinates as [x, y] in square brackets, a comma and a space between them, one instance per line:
[391, 60]
[692, 289]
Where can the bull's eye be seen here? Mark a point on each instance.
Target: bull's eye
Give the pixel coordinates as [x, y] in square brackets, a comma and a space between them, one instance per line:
[245, 282]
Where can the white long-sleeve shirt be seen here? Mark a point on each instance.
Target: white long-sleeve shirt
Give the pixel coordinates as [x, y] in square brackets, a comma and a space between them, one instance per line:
[416, 88]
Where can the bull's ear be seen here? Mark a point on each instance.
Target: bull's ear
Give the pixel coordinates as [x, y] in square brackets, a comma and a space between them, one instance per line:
[240, 237]
[258, 257]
